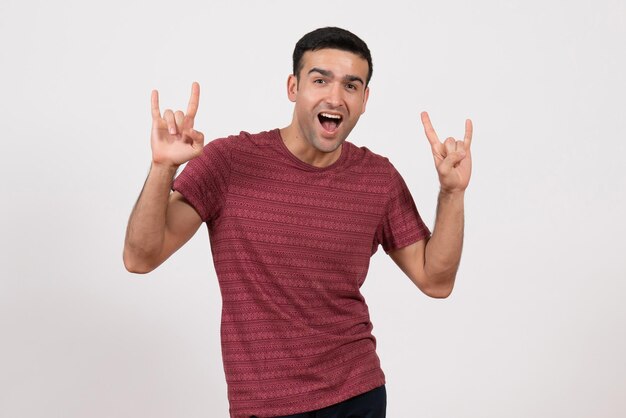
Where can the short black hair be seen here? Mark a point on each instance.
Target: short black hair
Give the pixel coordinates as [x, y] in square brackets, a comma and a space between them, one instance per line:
[333, 38]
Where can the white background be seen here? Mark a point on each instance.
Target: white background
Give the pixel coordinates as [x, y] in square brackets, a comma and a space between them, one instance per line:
[536, 324]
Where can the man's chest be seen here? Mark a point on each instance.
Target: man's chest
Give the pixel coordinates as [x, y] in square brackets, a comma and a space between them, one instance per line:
[302, 211]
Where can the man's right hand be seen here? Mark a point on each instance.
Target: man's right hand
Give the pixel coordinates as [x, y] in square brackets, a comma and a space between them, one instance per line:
[162, 221]
[173, 139]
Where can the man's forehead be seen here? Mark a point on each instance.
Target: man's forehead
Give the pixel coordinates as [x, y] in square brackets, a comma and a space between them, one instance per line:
[329, 58]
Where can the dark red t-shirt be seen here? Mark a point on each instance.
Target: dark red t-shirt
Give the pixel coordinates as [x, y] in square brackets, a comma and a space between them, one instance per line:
[291, 245]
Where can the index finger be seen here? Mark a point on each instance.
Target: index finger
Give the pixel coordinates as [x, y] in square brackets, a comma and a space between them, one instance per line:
[430, 131]
[154, 99]
[469, 130]
[194, 100]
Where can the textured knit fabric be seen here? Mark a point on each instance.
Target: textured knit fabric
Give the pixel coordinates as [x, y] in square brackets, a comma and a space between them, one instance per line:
[291, 245]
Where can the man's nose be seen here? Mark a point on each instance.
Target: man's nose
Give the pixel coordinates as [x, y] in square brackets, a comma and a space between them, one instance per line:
[335, 95]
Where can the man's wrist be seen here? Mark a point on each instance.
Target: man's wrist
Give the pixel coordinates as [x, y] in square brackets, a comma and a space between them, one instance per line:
[164, 169]
[451, 194]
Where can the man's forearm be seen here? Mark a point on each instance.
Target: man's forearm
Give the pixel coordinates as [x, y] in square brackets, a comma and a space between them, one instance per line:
[443, 250]
[146, 225]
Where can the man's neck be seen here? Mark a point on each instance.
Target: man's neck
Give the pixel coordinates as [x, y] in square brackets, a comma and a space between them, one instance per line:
[304, 151]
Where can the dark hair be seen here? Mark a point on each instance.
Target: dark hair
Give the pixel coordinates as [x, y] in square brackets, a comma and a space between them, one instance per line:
[334, 38]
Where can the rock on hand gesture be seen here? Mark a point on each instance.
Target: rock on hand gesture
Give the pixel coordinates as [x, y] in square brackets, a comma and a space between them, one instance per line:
[173, 139]
[453, 159]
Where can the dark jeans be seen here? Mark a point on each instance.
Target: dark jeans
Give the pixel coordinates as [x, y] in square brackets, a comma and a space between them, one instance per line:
[372, 404]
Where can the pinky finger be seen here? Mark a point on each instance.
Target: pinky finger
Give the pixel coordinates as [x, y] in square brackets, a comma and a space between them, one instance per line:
[469, 131]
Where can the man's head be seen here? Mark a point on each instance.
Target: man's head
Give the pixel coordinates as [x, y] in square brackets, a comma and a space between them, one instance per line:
[331, 38]
[332, 68]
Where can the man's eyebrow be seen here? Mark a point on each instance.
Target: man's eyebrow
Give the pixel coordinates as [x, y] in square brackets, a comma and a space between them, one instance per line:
[323, 72]
[353, 78]
[327, 73]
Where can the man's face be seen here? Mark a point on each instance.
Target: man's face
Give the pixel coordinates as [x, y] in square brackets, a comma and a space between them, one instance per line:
[329, 97]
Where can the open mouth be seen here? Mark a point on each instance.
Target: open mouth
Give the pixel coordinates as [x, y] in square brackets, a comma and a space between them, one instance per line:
[329, 121]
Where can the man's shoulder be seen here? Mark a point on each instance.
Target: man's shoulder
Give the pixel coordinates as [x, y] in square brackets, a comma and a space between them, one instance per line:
[244, 140]
[363, 156]
[231, 144]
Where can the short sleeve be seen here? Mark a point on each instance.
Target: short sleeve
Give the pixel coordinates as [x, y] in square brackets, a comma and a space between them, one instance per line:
[401, 224]
[204, 180]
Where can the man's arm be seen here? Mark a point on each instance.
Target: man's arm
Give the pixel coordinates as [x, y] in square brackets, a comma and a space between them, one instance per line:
[432, 264]
[161, 222]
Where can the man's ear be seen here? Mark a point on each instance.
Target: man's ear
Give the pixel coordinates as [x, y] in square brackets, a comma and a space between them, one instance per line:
[366, 96]
[292, 87]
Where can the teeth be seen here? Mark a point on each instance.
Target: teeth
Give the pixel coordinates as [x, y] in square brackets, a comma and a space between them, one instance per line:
[328, 115]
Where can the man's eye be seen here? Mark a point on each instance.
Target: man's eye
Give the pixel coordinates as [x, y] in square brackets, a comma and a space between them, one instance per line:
[351, 86]
[318, 81]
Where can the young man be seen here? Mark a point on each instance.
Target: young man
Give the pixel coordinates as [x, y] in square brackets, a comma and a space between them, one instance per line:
[294, 216]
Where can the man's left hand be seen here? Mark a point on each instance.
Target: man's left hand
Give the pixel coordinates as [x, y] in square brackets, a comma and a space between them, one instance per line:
[453, 159]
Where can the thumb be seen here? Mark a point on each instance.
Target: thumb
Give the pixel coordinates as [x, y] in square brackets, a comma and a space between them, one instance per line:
[452, 159]
[197, 137]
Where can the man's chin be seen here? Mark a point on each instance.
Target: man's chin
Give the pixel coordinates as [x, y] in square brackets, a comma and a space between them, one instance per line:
[335, 137]
[329, 145]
